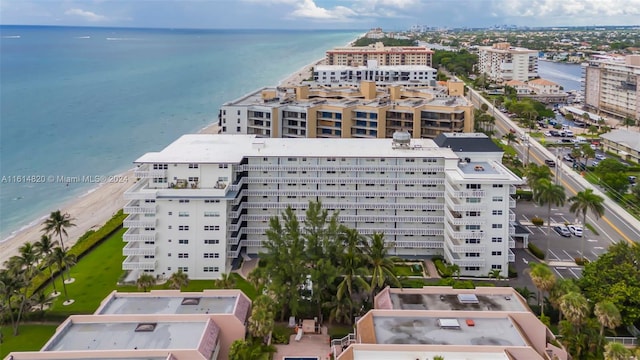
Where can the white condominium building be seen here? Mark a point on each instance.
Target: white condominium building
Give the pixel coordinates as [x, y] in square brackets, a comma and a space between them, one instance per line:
[611, 87]
[406, 75]
[391, 55]
[204, 202]
[502, 62]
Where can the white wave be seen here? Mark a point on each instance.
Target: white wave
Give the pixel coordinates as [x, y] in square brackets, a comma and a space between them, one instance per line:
[83, 37]
[123, 39]
[25, 227]
[11, 37]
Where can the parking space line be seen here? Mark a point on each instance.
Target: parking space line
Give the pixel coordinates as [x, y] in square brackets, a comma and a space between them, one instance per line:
[596, 255]
[525, 218]
[558, 272]
[574, 274]
[569, 256]
[554, 254]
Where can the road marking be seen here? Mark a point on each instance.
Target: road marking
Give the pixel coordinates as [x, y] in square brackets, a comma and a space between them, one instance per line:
[570, 258]
[554, 254]
[558, 272]
[526, 218]
[525, 261]
[574, 274]
[592, 240]
[598, 248]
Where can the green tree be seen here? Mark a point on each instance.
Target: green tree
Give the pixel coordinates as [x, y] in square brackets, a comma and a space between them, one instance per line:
[543, 279]
[352, 266]
[535, 173]
[559, 289]
[612, 174]
[340, 309]
[44, 248]
[526, 293]
[23, 267]
[587, 153]
[261, 321]
[608, 315]
[547, 193]
[178, 280]
[10, 286]
[615, 277]
[628, 122]
[616, 351]
[226, 281]
[575, 308]
[581, 203]
[593, 129]
[64, 260]
[510, 137]
[379, 264]
[145, 282]
[57, 223]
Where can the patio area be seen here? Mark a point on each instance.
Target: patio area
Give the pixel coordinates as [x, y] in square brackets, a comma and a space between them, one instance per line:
[310, 345]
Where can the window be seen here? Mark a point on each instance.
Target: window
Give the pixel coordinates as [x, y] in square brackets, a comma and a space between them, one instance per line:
[496, 226]
[211, 241]
[183, 269]
[211, 214]
[211, 201]
[472, 227]
[183, 241]
[238, 129]
[496, 267]
[473, 200]
[211, 227]
[194, 179]
[160, 166]
[497, 185]
[216, 255]
[170, 213]
[496, 212]
[496, 239]
[160, 180]
[223, 166]
[208, 255]
[183, 227]
[183, 255]
[183, 201]
[472, 241]
[472, 268]
[473, 254]
[193, 166]
[216, 269]
[207, 269]
[474, 186]
[496, 253]
[497, 199]
[183, 214]
[473, 213]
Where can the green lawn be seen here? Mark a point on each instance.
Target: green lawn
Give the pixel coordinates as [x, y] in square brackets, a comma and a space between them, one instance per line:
[407, 270]
[31, 338]
[96, 275]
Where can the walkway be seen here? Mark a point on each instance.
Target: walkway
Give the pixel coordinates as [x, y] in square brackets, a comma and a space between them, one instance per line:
[311, 345]
[431, 269]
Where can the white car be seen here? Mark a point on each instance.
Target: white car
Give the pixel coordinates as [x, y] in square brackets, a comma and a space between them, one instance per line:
[546, 133]
[600, 156]
[575, 230]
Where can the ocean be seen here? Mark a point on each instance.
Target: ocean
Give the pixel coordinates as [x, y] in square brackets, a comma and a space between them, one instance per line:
[81, 102]
[569, 76]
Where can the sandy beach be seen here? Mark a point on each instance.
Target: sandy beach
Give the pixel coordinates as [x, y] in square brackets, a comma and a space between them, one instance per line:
[93, 209]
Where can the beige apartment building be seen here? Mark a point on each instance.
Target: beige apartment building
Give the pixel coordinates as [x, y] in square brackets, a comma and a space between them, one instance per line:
[481, 324]
[383, 55]
[503, 62]
[158, 325]
[367, 111]
[611, 87]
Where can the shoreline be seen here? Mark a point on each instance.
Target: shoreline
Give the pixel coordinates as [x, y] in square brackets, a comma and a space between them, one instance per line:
[94, 208]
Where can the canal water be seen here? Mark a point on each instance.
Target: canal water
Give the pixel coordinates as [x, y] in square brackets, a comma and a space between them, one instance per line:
[566, 75]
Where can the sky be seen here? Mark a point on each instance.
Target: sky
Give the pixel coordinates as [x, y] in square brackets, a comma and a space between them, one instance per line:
[390, 15]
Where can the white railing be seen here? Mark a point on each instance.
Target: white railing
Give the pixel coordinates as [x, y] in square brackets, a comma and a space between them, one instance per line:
[464, 235]
[139, 207]
[136, 249]
[139, 191]
[146, 173]
[463, 220]
[512, 256]
[358, 218]
[512, 216]
[352, 193]
[132, 235]
[461, 249]
[466, 193]
[453, 205]
[512, 202]
[418, 244]
[349, 205]
[337, 345]
[512, 230]
[322, 167]
[624, 340]
[139, 263]
[512, 190]
[512, 243]
[344, 180]
[138, 221]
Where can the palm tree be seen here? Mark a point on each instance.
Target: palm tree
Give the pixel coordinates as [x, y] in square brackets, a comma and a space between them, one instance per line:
[57, 223]
[526, 293]
[547, 193]
[340, 309]
[44, 248]
[226, 281]
[628, 122]
[561, 288]
[510, 137]
[543, 279]
[262, 316]
[178, 280]
[379, 264]
[145, 281]
[455, 271]
[495, 274]
[351, 266]
[535, 173]
[575, 307]
[10, 285]
[616, 351]
[581, 203]
[608, 316]
[64, 260]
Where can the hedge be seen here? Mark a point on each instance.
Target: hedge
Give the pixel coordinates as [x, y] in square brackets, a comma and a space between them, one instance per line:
[443, 269]
[536, 251]
[85, 243]
[537, 221]
[524, 194]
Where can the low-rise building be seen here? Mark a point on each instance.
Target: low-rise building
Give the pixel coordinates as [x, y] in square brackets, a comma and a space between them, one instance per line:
[204, 202]
[624, 143]
[159, 325]
[481, 323]
[384, 55]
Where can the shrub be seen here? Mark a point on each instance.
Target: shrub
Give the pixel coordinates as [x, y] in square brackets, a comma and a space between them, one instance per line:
[537, 221]
[524, 194]
[536, 251]
[581, 261]
[443, 269]
[513, 273]
[464, 284]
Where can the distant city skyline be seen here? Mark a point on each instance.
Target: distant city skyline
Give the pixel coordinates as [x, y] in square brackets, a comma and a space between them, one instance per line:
[390, 15]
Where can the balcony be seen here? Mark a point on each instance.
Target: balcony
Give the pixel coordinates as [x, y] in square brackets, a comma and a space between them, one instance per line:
[512, 190]
[139, 221]
[145, 173]
[456, 218]
[134, 235]
[512, 243]
[461, 249]
[139, 207]
[453, 204]
[512, 203]
[512, 216]
[139, 263]
[512, 256]
[460, 261]
[466, 193]
[512, 230]
[138, 249]
[464, 235]
[140, 191]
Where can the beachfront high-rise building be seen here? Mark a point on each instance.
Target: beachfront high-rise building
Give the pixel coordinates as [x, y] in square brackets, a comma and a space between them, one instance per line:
[203, 203]
[480, 324]
[503, 62]
[384, 75]
[611, 87]
[367, 111]
[384, 55]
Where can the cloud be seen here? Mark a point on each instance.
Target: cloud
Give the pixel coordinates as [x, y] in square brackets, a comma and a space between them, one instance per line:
[308, 9]
[87, 15]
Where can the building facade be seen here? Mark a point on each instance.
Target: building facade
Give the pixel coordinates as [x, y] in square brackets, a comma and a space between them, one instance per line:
[385, 75]
[367, 111]
[204, 202]
[502, 62]
[611, 87]
[624, 143]
[391, 55]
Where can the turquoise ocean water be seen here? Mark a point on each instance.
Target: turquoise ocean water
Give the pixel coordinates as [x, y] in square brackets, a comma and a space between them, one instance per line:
[78, 101]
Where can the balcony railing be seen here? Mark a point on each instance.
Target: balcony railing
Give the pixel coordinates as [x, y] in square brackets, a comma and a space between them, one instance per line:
[512, 190]
[461, 249]
[461, 220]
[325, 167]
[139, 191]
[138, 249]
[464, 235]
[139, 221]
[139, 263]
[344, 179]
[133, 234]
[139, 207]
[512, 216]
[454, 205]
[466, 193]
[512, 243]
[149, 173]
[512, 203]
[512, 256]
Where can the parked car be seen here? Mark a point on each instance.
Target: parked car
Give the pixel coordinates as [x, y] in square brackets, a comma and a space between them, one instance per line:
[550, 163]
[554, 133]
[568, 133]
[568, 157]
[600, 156]
[575, 230]
[546, 133]
[595, 163]
[562, 230]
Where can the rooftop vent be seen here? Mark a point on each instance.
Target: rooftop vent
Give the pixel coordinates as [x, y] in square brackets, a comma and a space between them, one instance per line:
[468, 299]
[146, 327]
[401, 139]
[449, 324]
[190, 301]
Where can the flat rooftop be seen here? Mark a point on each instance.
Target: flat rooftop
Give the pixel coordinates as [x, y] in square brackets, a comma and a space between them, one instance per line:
[226, 148]
[170, 305]
[497, 302]
[398, 354]
[123, 336]
[426, 330]
[478, 168]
